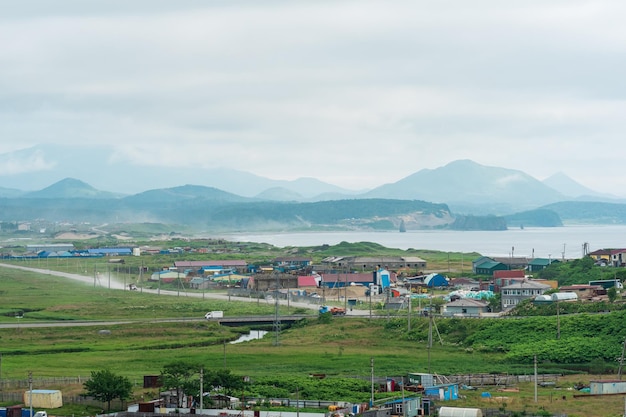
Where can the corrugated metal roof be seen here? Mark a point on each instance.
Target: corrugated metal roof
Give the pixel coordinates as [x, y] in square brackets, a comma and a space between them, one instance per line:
[467, 302]
[198, 264]
[526, 284]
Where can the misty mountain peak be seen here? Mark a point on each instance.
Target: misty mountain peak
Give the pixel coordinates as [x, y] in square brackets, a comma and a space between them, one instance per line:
[70, 188]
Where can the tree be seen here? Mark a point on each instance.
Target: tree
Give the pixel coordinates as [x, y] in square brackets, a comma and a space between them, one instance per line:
[612, 294]
[181, 377]
[223, 378]
[106, 386]
[495, 302]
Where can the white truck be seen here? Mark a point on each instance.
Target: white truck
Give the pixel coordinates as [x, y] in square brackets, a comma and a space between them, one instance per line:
[214, 315]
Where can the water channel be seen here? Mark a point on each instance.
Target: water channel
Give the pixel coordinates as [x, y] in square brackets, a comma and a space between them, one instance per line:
[252, 335]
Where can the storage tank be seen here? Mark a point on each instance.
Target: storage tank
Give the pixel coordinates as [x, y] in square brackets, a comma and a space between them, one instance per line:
[460, 412]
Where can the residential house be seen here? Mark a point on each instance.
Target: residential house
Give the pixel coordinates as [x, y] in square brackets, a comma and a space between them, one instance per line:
[512, 295]
[200, 283]
[478, 261]
[538, 264]
[612, 257]
[502, 278]
[466, 307]
[512, 262]
[489, 267]
[406, 407]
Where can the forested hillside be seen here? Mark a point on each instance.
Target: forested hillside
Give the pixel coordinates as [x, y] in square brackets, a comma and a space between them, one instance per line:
[588, 212]
[579, 271]
[534, 218]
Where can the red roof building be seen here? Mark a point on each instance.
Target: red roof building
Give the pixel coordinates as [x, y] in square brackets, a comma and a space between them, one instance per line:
[307, 281]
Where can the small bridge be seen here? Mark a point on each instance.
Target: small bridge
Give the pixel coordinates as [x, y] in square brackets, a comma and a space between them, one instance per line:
[260, 320]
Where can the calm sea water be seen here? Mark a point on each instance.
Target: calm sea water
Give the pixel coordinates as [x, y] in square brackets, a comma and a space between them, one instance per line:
[539, 242]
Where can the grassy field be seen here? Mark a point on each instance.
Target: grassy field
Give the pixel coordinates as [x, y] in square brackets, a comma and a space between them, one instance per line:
[45, 297]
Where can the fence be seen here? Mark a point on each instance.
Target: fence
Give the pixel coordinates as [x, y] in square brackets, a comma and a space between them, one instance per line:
[13, 384]
[18, 398]
[499, 379]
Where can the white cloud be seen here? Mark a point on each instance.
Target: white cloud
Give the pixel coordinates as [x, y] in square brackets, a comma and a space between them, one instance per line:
[29, 163]
[357, 93]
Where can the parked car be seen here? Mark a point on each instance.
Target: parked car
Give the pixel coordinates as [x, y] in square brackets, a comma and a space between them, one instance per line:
[214, 315]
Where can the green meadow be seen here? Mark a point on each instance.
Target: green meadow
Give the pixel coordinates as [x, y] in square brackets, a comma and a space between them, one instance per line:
[144, 344]
[155, 330]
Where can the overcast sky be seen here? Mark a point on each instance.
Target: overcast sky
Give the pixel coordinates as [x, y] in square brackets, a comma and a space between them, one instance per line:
[354, 93]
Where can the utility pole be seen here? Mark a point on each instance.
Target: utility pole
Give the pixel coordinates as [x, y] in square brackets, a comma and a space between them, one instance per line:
[621, 361]
[430, 331]
[30, 392]
[297, 402]
[277, 324]
[201, 388]
[558, 321]
[535, 361]
[372, 382]
[409, 317]
[345, 292]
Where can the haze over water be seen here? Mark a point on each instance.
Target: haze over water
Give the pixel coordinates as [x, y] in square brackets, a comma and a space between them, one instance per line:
[539, 242]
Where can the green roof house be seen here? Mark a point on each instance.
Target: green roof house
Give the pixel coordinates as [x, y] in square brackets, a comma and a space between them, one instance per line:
[538, 264]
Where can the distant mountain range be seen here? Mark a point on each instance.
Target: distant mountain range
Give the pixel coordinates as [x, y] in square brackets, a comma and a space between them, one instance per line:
[441, 197]
[40, 166]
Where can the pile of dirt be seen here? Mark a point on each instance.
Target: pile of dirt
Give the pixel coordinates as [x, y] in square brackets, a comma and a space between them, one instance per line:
[355, 291]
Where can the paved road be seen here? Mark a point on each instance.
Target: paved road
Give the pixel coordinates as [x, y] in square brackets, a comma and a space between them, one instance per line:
[115, 285]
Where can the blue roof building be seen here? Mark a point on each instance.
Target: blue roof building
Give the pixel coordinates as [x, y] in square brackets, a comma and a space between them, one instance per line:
[110, 251]
[435, 280]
